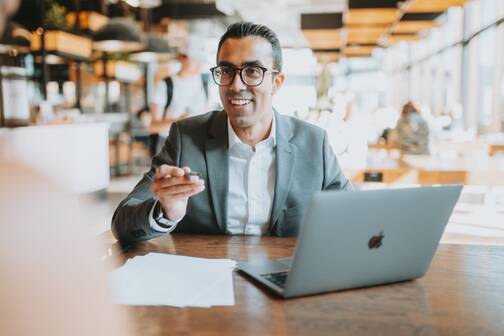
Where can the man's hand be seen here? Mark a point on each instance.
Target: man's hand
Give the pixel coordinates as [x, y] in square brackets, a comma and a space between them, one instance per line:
[172, 187]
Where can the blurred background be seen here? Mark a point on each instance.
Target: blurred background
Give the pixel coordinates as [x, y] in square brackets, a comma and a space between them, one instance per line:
[410, 92]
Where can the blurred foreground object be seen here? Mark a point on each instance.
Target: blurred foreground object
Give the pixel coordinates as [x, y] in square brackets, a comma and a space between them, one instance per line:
[50, 268]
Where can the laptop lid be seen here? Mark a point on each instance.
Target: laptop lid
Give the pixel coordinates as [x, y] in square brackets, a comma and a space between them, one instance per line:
[364, 238]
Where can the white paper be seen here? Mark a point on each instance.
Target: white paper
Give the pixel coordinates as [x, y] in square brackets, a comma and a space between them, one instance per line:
[164, 279]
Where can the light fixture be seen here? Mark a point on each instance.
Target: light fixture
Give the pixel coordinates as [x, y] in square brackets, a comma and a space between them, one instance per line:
[156, 49]
[119, 35]
[143, 3]
[50, 59]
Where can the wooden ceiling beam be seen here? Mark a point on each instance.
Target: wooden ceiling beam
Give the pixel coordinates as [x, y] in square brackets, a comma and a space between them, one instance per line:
[378, 16]
[364, 36]
[359, 50]
[414, 26]
[396, 38]
[324, 38]
[425, 6]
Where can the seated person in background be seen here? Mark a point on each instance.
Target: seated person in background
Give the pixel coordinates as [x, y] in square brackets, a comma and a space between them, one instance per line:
[412, 131]
[258, 168]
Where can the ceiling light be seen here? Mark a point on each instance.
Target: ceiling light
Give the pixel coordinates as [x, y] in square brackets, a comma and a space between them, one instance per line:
[119, 35]
[144, 3]
[157, 49]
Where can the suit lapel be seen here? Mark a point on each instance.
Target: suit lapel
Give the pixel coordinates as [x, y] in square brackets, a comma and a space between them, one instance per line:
[217, 160]
[285, 162]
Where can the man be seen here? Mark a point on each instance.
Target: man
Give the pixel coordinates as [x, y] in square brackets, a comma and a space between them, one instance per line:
[258, 169]
[178, 96]
[181, 95]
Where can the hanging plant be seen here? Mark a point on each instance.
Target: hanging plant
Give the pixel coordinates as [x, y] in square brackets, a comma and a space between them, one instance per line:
[56, 16]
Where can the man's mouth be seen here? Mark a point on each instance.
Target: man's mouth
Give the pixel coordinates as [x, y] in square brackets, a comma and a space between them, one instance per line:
[240, 101]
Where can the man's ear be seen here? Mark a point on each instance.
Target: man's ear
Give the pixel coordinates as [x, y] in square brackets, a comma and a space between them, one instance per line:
[278, 82]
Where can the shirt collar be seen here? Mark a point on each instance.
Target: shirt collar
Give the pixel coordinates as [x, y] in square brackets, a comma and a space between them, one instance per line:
[233, 139]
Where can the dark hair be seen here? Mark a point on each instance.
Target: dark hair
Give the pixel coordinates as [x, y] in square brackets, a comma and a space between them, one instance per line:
[244, 29]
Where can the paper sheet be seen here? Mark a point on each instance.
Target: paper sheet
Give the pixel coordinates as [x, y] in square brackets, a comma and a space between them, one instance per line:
[164, 279]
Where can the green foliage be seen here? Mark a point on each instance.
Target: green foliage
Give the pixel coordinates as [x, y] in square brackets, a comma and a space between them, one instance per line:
[56, 16]
[118, 56]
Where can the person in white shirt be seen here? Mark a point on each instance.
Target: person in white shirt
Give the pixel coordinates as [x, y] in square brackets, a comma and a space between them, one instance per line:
[257, 169]
[177, 97]
[188, 97]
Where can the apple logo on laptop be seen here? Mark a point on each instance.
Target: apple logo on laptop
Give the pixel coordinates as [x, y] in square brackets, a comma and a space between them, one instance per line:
[376, 241]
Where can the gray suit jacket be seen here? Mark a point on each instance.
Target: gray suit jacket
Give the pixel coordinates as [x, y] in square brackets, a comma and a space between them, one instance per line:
[305, 164]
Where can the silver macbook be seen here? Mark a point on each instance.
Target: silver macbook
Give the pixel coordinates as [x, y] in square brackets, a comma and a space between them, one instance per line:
[359, 239]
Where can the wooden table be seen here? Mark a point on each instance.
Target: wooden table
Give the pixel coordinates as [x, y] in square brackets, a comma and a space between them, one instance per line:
[428, 169]
[462, 294]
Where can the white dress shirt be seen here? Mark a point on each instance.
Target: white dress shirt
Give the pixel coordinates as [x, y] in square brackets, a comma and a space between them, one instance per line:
[252, 178]
[251, 187]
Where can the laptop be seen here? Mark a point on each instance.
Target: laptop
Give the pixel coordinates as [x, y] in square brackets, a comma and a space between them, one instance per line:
[359, 239]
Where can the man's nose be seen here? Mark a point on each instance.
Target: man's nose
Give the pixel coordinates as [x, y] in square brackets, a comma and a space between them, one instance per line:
[237, 84]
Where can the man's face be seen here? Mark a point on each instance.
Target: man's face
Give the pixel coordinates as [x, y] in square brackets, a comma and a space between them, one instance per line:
[247, 105]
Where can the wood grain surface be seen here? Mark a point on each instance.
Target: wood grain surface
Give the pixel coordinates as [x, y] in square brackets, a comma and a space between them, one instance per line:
[461, 294]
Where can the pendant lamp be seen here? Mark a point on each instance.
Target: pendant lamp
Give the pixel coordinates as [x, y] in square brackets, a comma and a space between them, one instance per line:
[119, 35]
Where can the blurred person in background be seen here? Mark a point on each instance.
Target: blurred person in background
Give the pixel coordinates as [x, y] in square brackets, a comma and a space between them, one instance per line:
[52, 282]
[412, 131]
[180, 95]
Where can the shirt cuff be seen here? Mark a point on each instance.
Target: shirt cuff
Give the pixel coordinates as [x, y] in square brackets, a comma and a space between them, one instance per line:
[155, 226]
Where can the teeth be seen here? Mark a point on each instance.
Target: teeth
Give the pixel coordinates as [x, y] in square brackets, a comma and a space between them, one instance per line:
[240, 101]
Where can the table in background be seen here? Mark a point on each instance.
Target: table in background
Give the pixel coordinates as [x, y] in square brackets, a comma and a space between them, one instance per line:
[74, 155]
[461, 294]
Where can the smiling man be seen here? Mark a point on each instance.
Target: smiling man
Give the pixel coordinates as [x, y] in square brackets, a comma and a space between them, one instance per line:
[244, 170]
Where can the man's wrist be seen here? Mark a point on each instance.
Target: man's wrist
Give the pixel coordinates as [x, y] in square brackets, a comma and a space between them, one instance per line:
[160, 217]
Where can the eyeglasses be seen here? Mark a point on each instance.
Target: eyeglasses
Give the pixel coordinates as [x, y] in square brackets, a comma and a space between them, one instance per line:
[251, 75]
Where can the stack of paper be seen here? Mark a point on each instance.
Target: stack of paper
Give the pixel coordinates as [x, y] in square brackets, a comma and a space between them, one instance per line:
[164, 279]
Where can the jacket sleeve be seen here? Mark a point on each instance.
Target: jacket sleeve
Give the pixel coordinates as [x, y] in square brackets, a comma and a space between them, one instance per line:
[334, 179]
[130, 222]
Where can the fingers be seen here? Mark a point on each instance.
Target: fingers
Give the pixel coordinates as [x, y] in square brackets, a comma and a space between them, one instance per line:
[172, 181]
[164, 171]
[191, 192]
[173, 187]
[168, 182]
[179, 188]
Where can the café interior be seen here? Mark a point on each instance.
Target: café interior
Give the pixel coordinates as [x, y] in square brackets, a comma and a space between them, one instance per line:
[76, 76]
[79, 81]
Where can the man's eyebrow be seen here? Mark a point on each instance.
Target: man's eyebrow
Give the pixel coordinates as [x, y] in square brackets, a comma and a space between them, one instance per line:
[256, 63]
[226, 63]
[248, 63]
